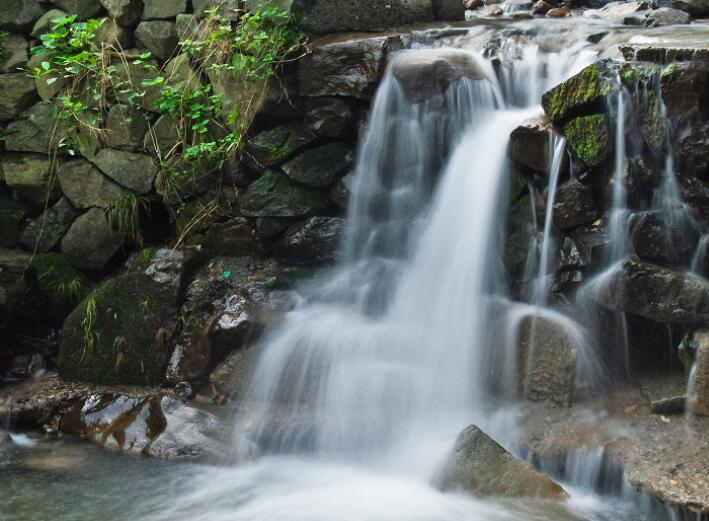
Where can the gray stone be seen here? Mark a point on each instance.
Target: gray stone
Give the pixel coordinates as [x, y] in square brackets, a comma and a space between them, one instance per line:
[124, 12]
[667, 16]
[30, 175]
[159, 37]
[91, 241]
[320, 167]
[125, 128]
[621, 10]
[19, 15]
[275, 195]
[163, 9]
[112, 34]
[18, 94]
[480, 466]
[529, 146]
[86, 186]
[228, 9]
[329, 117]
[574, 205]
[272, 147]
[82, 8]
[330, 16]
[44, 232]
[134, 171]
[16, 53]
[314, 241]
[46, 22]
[163, 137]
[38, 130]
[697, 8]
[187, 27]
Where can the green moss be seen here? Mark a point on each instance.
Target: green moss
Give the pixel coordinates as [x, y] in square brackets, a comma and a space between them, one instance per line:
[586, 88]
[669, 70]
[275, 195]
[58, 278]
[629, 75]
[588, 137]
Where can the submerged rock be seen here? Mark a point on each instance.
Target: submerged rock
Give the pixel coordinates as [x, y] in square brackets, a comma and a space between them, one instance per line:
[481, 466]
[45, 231]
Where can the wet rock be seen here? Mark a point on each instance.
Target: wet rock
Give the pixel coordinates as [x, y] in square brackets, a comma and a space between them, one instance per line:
[363, 57]
[163, 9]
[272, 147]
[45, 231]
[16, 53]
[529, 145]
[589, 139]
[423, 74]
[86, 186]
[134, 171]
[329, 16]
[669, 406]
[667, 238]
[653, 292]
[232, 376]
[546, 361]
[329, 117]
[696, 8]
[320, 167]
[667, 16]
[683, 87]
[692, 154]
[38, 130]
[481, 466]
[541, 7]
[125, 128]
[19, 15]
[491, 10]
[314, 241]
[275, 195]
[184, 390]
[59, 285]
[18, 95]
[124, 12]
[621, 10]
[83, 9]
[30, 175]
[159, 37]
[574, 205]
[699, 396]
[235, 237]
[559, 12]
[91, 241]
[582, 93]
[12, 214]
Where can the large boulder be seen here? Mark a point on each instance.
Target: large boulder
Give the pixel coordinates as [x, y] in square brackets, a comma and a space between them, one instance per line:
[699, 389]
[91, 241]
[349, 66]
[38, 130]
[275, 195]
[314, 241]
[667, 16]
[321, 166]
[697, 8]
[574, 205]
[423, 74]
[692, 153]
[235, 237]
[683, 88]
[86, 186]
[125, 128]
[272, 147]
[45, 231]
[330, 117]
[481, 466]
[30, 175]
[120, 333]
[159, 37]
[18, 94]
[82, 8]
[163, 9]
[589, 137]
[134, 171]
[124, 12]
[529, 145]
[16, 53]
[668, 238]
[653, 292]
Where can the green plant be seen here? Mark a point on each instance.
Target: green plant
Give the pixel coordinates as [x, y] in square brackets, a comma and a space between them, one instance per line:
[87, 326]
[124, 214]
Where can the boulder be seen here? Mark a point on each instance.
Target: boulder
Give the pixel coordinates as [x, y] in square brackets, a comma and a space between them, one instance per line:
[158, 426]
[45, 22]
[125, 128]
[134, 171]
[232, 375]
[667, 16]
[653, 292]
[668, 238]
[314, 241]
[329, 117]
[582, 93]
[697, 8]
[12, 214]
[84, 9]
[159, 37]
[529, 146]
[669, 406]
[272, 147]
[480, 466]
[320, 167]
[114, 35]
[699, 389]
[559, 12]
[30, 175]
[86, 186]
[691, 151]
[124, 12]
[363, 57]
[275, 195]
[235, 237]
[45, 231]
[91, 241]
[120, 333]
[38, 130]
[163, 138]
[163, 9]
[19, 15]
[16, 53]
[228, 9]
[520, 232]
[331, 16]
[683, 87]
[574, 205]
[621, 10]
[423, 74]
[18, 94]
[13, 286]
[589, 137]
[546, 361]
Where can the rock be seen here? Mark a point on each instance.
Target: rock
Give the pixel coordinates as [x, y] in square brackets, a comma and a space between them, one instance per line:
[163, 138]
[541, 7]
[320, 167]
[669, 406]
[692, 154]
[13, 286]
[15, 56]
[232, 376]
[30, 175]
[529, 146]
[699, 391]
[696, 8]
[58, 284]
[491, 10]
[45, 231]
[621, 10]
[583, 92]
[159, 37]
[86, 186]
[331, 16]
[515, 6]
[481, 466]
[272, 147]
[227, 9]
[124, 12]
[18, 95]
[559, 12]
[423, 74]
[39, 130]
[12, 214]
[5, 441]
[125, 128]
[157, 426]
[589, 137]
[520, 232]
[341, 192]
[187, 26]
[270, 228]
[682, 87]
[546, 361]
[45, 22]
[163, 9]
[473, 4]
[91, 241]
[314, 241]
[329, 117]
[235, 237]
[134, 171]
[653, 292]
[113, 35]
[574, 205]
[19, 15]
[667, 16]
[668, 238]
[84, 9]
[448, 10]
[275, 195]
[363, 57]
[120, 334]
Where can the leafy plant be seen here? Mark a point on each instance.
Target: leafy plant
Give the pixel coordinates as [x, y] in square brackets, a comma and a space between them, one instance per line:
[124, 214]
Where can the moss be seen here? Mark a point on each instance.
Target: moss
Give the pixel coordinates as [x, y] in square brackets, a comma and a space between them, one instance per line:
[586, 88]
[133, 318]
[588, 137]
[629, 75]
[669, 70]
[57, 278]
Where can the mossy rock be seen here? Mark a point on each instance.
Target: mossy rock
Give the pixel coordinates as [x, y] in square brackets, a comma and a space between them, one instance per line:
[275, 195]
[589, 138]
[272, 147]
[11, 215]
[581, 93]
[57, 278]
[127, 321]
